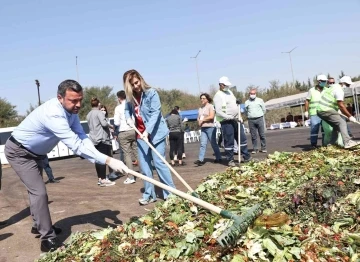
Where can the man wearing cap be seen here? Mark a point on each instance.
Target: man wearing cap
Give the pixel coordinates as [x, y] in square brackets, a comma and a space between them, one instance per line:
[311, 102]
[255, 110]
[331, 102]
[227, 112]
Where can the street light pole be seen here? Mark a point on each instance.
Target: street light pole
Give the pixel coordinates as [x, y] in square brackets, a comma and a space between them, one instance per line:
[38, 89]
[197, 70]
[77, 70]
[292, 71]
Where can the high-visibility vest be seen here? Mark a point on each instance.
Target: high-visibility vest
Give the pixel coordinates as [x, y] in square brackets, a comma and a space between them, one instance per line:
[314, 100]
[328, 101]
[223, 106]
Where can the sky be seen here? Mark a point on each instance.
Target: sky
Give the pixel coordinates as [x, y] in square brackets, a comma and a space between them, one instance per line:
[243, 40]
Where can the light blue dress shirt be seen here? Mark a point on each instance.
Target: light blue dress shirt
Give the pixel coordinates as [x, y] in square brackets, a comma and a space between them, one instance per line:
[50, 123]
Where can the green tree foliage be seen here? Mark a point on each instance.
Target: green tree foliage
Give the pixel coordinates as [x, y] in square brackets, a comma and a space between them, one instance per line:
[105, 96]
[8, 114]
[171, 98]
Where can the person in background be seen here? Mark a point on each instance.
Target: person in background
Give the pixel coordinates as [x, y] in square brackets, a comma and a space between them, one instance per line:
[289, 117]
[187, 128]
[311, 103]
[331, 102]
[205, 120]
[53, 121]
[145, 106]
[48, 171]
[112, 175]
[226, 110]
[255, 111]
[330, 81]
[100, 136]
[175, 127]
[177, 108]
[126, 134]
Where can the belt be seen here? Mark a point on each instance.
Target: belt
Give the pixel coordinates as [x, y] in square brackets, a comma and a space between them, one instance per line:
[12, 139]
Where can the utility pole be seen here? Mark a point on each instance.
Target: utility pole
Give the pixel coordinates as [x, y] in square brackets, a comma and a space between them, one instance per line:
[197, 70]
[38, 89]
[77, 70]
[292, 71]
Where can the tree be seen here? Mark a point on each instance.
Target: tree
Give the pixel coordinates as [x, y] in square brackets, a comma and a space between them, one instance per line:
[341, 74]
[31, 108]
[105, 96]
[8, 114]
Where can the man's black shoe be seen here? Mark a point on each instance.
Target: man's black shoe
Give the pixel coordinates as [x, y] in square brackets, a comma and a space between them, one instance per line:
[217, 161]
[199, 163]
[53, 181]
[50, 245]
[56, 229]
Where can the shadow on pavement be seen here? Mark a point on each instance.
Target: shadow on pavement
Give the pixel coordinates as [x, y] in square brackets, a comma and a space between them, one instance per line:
[96, 218]
[5, 236]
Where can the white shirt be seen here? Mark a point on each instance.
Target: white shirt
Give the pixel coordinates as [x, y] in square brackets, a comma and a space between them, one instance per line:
[119, 117]
[338, 92]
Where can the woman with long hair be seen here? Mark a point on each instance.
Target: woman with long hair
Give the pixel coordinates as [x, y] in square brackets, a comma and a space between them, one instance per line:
[144, 104]
[208, 131]
[100, 136]
[174, 124]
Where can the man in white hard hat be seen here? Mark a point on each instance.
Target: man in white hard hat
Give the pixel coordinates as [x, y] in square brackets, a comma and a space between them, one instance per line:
[227, 112]
[311, 102]
[331, 102]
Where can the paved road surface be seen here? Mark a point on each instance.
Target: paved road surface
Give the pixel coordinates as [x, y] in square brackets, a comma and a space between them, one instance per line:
[77, 203]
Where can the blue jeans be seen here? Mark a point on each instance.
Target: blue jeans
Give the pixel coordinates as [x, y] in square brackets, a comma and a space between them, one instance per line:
[208, 134]
[47, 168]
[146, 155]
[230, 132]
[314, 131]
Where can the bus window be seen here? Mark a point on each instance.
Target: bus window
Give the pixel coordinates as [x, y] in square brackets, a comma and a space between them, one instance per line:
[4, 137]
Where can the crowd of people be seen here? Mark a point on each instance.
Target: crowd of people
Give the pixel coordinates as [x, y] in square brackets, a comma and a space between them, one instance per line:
[139, 126]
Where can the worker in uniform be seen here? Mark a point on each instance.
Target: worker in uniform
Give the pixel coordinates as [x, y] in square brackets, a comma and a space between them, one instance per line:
[331, 106]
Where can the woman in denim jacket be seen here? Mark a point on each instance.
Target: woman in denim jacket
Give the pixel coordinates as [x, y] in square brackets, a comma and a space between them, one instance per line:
[144, 104]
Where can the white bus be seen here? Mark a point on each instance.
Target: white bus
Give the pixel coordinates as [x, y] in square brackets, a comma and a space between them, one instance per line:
[60, 150]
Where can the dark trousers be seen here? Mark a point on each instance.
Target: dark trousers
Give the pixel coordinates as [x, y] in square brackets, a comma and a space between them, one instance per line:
[28, 167]
[182, 142]
[256, 125]
[176, 144]
[230, 132]
[101, 169]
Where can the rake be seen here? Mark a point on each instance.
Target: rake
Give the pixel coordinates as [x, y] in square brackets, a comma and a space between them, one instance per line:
[168, 165]
[230, 235]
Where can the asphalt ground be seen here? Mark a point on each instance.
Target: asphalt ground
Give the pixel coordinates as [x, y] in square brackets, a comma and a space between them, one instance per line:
[77, 203]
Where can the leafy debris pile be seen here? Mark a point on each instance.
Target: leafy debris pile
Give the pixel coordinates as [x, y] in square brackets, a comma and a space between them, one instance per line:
[311, 212]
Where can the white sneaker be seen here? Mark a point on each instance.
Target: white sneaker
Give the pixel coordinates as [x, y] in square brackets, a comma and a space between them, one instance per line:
[106, 182]
[351, 143]
[129, 181]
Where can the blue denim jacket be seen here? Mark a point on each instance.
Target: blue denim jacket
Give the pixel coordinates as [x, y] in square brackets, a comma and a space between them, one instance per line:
[150, 111]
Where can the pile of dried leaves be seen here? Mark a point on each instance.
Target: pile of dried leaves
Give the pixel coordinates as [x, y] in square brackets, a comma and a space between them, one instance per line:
[311, 212]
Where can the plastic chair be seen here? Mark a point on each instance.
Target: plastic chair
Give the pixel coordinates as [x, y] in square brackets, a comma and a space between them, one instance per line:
[187, 137]
[194, 136]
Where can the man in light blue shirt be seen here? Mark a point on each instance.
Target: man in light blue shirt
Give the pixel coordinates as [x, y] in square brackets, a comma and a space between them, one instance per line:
[255, 111]
[55, 120]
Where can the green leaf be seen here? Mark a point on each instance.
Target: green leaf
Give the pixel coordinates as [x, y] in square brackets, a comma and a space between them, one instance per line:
[296, 251]
[101, 234]
[174, 253]
[190, 237]
[283, 241]
[237, 258]
[270, 246]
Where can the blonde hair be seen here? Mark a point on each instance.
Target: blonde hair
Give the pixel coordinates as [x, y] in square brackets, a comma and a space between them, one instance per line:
[128, 76]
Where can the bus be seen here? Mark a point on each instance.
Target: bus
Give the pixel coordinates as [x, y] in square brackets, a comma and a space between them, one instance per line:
[60, 150]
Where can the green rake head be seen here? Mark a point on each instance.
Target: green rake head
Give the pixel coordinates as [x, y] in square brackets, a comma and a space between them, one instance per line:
[241, 223]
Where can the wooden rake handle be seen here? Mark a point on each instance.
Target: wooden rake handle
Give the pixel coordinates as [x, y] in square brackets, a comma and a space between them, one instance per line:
[164, 160]
[179, 193]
